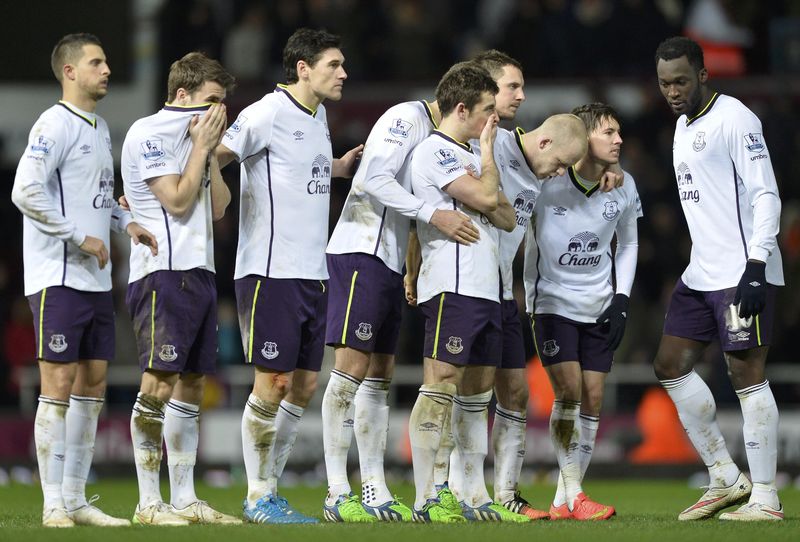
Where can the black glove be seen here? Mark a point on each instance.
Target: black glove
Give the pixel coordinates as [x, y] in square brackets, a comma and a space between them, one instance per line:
[751, 294]
[614, 318]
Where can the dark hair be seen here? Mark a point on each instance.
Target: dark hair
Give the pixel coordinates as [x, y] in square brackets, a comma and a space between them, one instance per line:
[593, 114]
[678, 46]
[192, 71]
[69, 50]
[307, 45]
[494, 61]
[463, 83]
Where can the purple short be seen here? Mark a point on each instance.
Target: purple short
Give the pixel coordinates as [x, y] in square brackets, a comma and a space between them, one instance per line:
[560, 339]
[463, 330]
[366, 299]
[704, 316]
[175, 320]
[282, 322]
[72, 325]
[513, 345]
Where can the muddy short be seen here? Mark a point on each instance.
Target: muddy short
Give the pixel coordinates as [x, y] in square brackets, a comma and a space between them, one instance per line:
[365, 303]
[560, 339]
[704, 316]
[175, 320]
[282, 322]
[463, 330]
[71, 325]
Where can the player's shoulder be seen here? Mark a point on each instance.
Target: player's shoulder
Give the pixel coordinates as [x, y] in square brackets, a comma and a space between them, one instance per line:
[733, 111]
[57, 117]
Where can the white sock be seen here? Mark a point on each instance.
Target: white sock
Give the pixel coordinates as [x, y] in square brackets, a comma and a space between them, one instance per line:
[589, 425]
[287, 422]
[182, 435]
[508, 443]
[760, 431]
[371, 428]
[471, 431]
[446, 460]
[698, 413]
[338, 412]
[425, 426]
[81, 430]
[147, 430]
[49, 433]
[258, 436]
[565, 434]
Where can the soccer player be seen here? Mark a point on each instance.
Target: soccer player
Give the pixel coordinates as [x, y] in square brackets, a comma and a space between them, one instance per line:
[730, 199]
[458, 285]
[174, 186]
[578, 316]
[365, 258]
[64, 187]
[283, 145]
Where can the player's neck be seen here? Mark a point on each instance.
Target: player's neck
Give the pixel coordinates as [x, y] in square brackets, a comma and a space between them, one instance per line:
[705, 96]
[302, 93]
[589, 170]
[79, 100]
[453, 128]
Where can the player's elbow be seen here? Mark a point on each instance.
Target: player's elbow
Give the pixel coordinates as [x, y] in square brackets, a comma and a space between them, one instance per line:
[17, 196]
[217, 214]
[486, 203]
[176, 209]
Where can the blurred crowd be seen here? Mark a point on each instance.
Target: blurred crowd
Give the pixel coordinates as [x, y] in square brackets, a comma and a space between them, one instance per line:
[394, 46]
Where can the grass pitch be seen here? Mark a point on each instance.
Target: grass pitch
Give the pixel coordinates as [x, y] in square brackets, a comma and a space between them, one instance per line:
[646, 509]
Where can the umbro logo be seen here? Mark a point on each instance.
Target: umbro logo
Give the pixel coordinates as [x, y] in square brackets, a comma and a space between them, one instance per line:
[428, 426]
[755, 284]
[298, 135]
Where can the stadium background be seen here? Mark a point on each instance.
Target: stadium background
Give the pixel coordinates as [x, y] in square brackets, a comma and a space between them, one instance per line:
[573, 52]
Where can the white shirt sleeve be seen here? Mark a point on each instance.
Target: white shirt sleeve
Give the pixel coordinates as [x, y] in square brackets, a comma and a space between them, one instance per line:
[627, 252]
[251, 132]
[751, 158]
[120, 218]
[48, 144]
[383, 161]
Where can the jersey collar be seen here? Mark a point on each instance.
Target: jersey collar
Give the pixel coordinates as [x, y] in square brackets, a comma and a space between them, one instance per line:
[295, 101]
[705, 110]
[582, 188]
[518, 133]
[428, 112]
[187, 108]
[465, 146]
[78, 113]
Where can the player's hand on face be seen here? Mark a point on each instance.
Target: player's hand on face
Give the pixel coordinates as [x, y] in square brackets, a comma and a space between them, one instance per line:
[95, 247]
[141, 235]
[206, 130]
[489, 131]
[410, 286]
[455, 225]
[123, 203]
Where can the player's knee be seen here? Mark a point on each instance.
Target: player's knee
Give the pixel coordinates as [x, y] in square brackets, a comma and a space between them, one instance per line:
[592, 400]
[515, 398]
[667, 367]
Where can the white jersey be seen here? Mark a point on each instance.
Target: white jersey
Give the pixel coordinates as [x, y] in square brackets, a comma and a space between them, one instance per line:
[521, 187]
[286, 161]
[376, 216]
[728, 194]
[470, 270]
[155, 146]
[64, 187]
[568, 258]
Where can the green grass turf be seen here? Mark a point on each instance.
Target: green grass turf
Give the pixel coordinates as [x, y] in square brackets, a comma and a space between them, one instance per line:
[646, 511]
